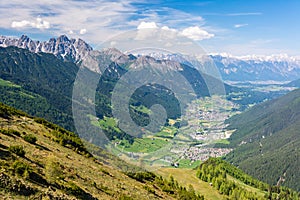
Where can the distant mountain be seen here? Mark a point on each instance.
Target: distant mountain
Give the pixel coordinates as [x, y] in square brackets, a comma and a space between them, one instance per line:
[267, 140]
[280, 68]
[67, 49]
[295, 83]
[244, 68]
[257, 69]
[42, 84]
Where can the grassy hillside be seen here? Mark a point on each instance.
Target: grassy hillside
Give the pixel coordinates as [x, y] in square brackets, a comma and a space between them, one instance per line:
[268, 140]
[39, 160]
[217, 179]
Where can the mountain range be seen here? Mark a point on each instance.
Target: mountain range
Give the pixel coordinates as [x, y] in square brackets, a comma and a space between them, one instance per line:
[46, 83]
[257, 69]
[246, 68]
[67, 49]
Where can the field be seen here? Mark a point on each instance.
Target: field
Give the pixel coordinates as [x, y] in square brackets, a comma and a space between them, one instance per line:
[143, 145]
[188, 176]
[186, 163]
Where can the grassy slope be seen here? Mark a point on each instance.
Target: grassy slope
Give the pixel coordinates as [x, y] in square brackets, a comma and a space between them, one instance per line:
[95, 178]
[186, 177]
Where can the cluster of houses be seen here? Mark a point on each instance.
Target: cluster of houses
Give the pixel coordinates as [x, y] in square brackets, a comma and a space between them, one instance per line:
[203, 153]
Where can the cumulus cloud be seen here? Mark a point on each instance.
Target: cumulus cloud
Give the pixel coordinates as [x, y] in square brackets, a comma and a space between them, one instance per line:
[145, 29]
[196, 33]
[166, 28]
[240, 25]
[82, 31]
[39, 24]
[145, 25]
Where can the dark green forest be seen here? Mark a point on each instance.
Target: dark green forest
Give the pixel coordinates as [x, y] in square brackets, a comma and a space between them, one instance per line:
[220, 173]
[267, 140]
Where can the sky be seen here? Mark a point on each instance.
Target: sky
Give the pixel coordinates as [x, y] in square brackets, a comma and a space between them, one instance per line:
[236, 27]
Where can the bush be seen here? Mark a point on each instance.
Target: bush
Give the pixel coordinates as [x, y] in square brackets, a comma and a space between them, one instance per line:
[53, 171]
[30, 138]
[141, 176]
[124, 197]
[17, 149]
[21, 169]
[10, 132]
[74, 189]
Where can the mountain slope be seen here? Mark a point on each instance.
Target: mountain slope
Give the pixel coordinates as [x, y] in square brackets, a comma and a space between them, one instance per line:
[267, 140]
[39, 160]
[295, 83]
[41, 76]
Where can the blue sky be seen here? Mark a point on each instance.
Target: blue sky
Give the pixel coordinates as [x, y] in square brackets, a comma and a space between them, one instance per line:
[237, 27]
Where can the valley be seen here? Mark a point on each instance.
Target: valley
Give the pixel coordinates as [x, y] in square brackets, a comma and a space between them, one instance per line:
[183, 142]
[242, 126]
[55, 163]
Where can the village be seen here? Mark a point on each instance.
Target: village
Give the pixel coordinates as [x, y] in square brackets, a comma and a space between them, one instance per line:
[206, 127]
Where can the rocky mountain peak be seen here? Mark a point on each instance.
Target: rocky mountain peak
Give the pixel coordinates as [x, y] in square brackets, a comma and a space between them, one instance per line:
[116, 55]
[63, 38]
[67, 49]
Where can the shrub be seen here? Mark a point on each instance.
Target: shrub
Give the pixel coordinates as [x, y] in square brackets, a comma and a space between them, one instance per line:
[14, 132]
[30, 138]
[21, 169]
[74, 189]
[10, 132]
[53, 171]
[17, 149]
[141, 176]
[125, 197]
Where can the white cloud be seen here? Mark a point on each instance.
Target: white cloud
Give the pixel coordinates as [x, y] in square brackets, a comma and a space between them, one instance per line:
[39, 24]
[102, 19]
[240, 25]
[82, 31]
[149, 29]
[166, 28]
[20, 24]
[196, 33]
[144, 25]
